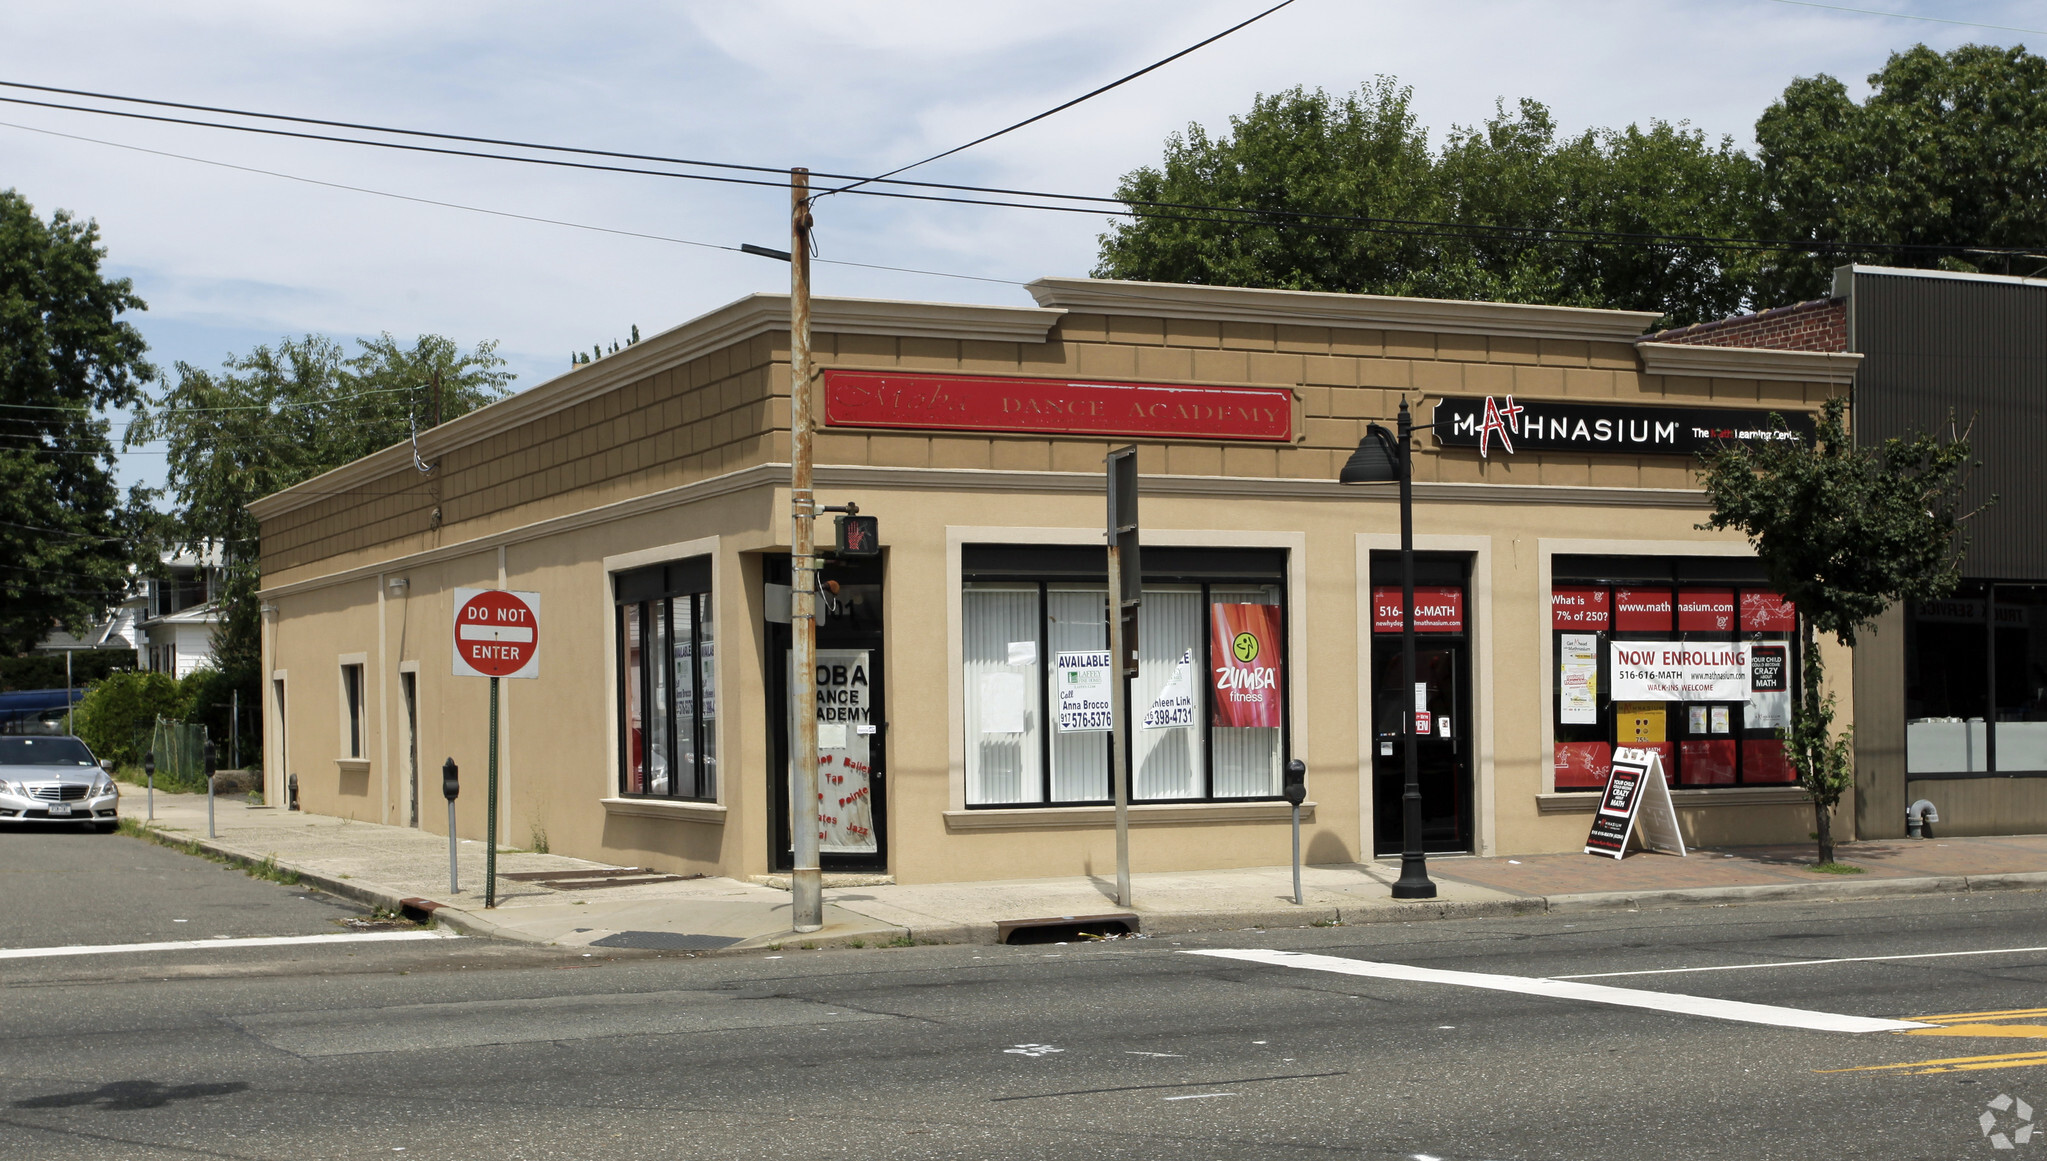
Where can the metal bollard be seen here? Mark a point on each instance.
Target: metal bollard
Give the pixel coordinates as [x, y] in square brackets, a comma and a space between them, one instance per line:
[1296, 792]
[149, 772]
[211, 759]
[451, 786]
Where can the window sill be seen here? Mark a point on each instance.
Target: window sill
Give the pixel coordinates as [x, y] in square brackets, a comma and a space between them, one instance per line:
[1094, 817]
[1586, 801]
[352, 765]
[679, 810]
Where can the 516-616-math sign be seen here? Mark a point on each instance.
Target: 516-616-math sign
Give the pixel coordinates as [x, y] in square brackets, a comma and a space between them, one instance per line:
[497, 633]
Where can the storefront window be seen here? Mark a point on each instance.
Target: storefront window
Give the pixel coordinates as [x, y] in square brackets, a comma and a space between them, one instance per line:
[667, 683]
[1206, 706]
[1637, 666]
[1953, 662]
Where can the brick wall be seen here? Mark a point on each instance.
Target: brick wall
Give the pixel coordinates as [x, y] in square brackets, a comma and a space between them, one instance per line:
[1819, 325]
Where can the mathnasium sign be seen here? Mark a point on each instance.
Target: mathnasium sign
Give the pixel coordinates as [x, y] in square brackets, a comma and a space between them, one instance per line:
[1501, 422]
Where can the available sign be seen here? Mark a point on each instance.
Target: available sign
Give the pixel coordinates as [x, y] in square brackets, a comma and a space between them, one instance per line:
[1057, 406]
[497, 633]
[1637, 778]
[1083, 678]
[1679, 671]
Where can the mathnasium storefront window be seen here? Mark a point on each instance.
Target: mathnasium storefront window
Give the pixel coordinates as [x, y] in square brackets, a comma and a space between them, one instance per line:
[667, 682]
[1693, 658]
[1207, 708]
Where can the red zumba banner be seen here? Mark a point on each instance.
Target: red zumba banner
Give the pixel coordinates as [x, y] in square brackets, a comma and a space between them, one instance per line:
[1245, 643]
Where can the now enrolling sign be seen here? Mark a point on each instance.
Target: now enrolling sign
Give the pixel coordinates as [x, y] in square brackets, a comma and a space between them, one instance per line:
[497, 633]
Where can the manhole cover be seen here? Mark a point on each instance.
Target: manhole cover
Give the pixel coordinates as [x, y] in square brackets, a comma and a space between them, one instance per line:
[666, 941]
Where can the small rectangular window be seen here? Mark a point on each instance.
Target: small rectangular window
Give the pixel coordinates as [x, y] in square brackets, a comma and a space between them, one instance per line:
[351, 695]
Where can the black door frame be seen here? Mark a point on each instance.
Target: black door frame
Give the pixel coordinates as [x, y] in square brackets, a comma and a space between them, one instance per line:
[1431, 568]
[832, 633]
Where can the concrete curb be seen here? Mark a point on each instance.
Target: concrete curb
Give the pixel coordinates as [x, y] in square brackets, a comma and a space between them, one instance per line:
[1795, 892]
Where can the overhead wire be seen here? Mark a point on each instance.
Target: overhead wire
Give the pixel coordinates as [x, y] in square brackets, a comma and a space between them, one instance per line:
[1087, 96]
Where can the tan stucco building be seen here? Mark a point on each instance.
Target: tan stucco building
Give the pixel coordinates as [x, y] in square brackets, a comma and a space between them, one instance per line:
[645, 497]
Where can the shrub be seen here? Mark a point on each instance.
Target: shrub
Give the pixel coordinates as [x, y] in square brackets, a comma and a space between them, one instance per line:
[117, 715]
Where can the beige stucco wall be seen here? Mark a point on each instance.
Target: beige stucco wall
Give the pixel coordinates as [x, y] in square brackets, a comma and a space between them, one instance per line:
[556, 495]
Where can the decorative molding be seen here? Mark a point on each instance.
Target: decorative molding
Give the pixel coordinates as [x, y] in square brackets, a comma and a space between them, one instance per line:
[733, 323]
[1836, 368]
[351, 765]
[1094, 817]
[1258, 487]
[1317, 308]
[1586, 801]
[678, 811]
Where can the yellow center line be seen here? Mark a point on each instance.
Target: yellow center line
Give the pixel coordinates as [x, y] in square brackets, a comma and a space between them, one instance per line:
[2008, 1013]
[1953, 1063]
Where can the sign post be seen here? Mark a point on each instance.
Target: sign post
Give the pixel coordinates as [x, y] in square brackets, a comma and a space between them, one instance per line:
[497, 635]
[1126, 591]
[1637, 777]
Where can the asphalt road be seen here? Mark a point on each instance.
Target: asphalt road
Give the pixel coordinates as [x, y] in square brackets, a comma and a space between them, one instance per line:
[1135, 1048]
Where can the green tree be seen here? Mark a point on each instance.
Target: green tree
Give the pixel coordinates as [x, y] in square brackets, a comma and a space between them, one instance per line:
[279, 416]
[1844, 532]
[115, 716]
[1949, 151]
[65, 354]
[1517, 200]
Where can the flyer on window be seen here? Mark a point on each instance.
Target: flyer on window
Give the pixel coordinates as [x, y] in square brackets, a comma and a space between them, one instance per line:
[1578, 679]
[1174, 705]
[1245, 643]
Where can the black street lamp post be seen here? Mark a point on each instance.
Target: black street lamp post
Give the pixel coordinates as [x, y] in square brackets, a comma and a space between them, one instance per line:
[1384, 458]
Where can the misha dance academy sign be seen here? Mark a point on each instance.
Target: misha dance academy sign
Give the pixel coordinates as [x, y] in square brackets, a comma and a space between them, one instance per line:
[1636, 804]
[1057, 406]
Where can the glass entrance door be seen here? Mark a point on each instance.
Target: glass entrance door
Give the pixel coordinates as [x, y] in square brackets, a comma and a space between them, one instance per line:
[852, 725]
[1443, 674]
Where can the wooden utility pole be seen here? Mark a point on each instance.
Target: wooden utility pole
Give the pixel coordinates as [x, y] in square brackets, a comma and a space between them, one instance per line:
[806, 881]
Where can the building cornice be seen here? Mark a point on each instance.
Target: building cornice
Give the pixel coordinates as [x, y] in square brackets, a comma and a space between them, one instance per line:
[1836, 368]
[1318, 308]
[997, 482]
[733, 323]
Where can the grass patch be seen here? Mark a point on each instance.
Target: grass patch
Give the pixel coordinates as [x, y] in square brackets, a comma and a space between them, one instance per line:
[165, 781]
[1838, 869]
[901, 941]
[856, 943]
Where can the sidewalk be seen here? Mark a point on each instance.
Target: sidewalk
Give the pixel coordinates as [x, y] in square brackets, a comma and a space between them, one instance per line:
[562, 901]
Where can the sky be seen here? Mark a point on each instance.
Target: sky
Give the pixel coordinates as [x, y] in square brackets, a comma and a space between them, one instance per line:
[227, 258]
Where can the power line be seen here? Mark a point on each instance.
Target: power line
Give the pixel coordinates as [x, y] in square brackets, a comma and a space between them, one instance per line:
[1158, 64]
[1091, 203]
[1909, 16]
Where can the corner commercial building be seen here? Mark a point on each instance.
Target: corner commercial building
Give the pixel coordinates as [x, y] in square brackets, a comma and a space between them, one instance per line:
[645, 497]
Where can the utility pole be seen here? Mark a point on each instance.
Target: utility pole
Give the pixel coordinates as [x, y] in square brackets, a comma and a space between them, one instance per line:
[806, 881]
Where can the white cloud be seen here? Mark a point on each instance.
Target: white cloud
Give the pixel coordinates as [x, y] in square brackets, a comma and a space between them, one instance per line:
[849, 87]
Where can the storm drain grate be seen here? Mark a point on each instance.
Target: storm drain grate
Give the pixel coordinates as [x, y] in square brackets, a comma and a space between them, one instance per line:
[666, 941]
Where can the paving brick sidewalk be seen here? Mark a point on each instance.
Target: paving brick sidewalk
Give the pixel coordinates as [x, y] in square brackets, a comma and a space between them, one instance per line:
[387, 866]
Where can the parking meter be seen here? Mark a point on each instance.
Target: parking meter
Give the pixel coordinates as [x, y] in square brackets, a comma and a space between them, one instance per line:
[149, 772]
[211, 758]
[1295, 790]
[451, 785]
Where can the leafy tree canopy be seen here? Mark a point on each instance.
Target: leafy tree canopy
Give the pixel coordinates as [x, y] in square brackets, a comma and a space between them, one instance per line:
[1948, 152]
[65, 353]
[279, 416]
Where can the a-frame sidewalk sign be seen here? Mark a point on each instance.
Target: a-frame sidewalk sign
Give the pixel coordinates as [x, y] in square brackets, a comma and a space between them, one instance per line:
[1636, 804]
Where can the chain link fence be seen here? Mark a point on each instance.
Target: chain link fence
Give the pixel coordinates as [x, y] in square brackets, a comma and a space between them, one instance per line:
[180, 749]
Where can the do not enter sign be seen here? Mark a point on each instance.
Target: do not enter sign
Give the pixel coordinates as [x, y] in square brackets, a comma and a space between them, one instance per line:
[497, 633]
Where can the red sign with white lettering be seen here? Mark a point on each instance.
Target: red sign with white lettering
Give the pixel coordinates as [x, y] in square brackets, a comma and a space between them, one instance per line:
[1437, 609]
[1766, 612]
[497, 633]
[1641, 610]
[1578, 607]
[1705, 610]
[1057, 406]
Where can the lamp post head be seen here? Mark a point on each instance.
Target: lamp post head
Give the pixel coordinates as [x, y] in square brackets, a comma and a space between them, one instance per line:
[1377, 460]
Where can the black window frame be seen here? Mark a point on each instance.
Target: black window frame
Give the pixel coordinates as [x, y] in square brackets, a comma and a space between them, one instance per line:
[1048, 565]
[1674, 575]
[352, 695]
[650, 592]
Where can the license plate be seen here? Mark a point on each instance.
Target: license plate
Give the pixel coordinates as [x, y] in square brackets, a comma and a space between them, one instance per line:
[60, 810]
